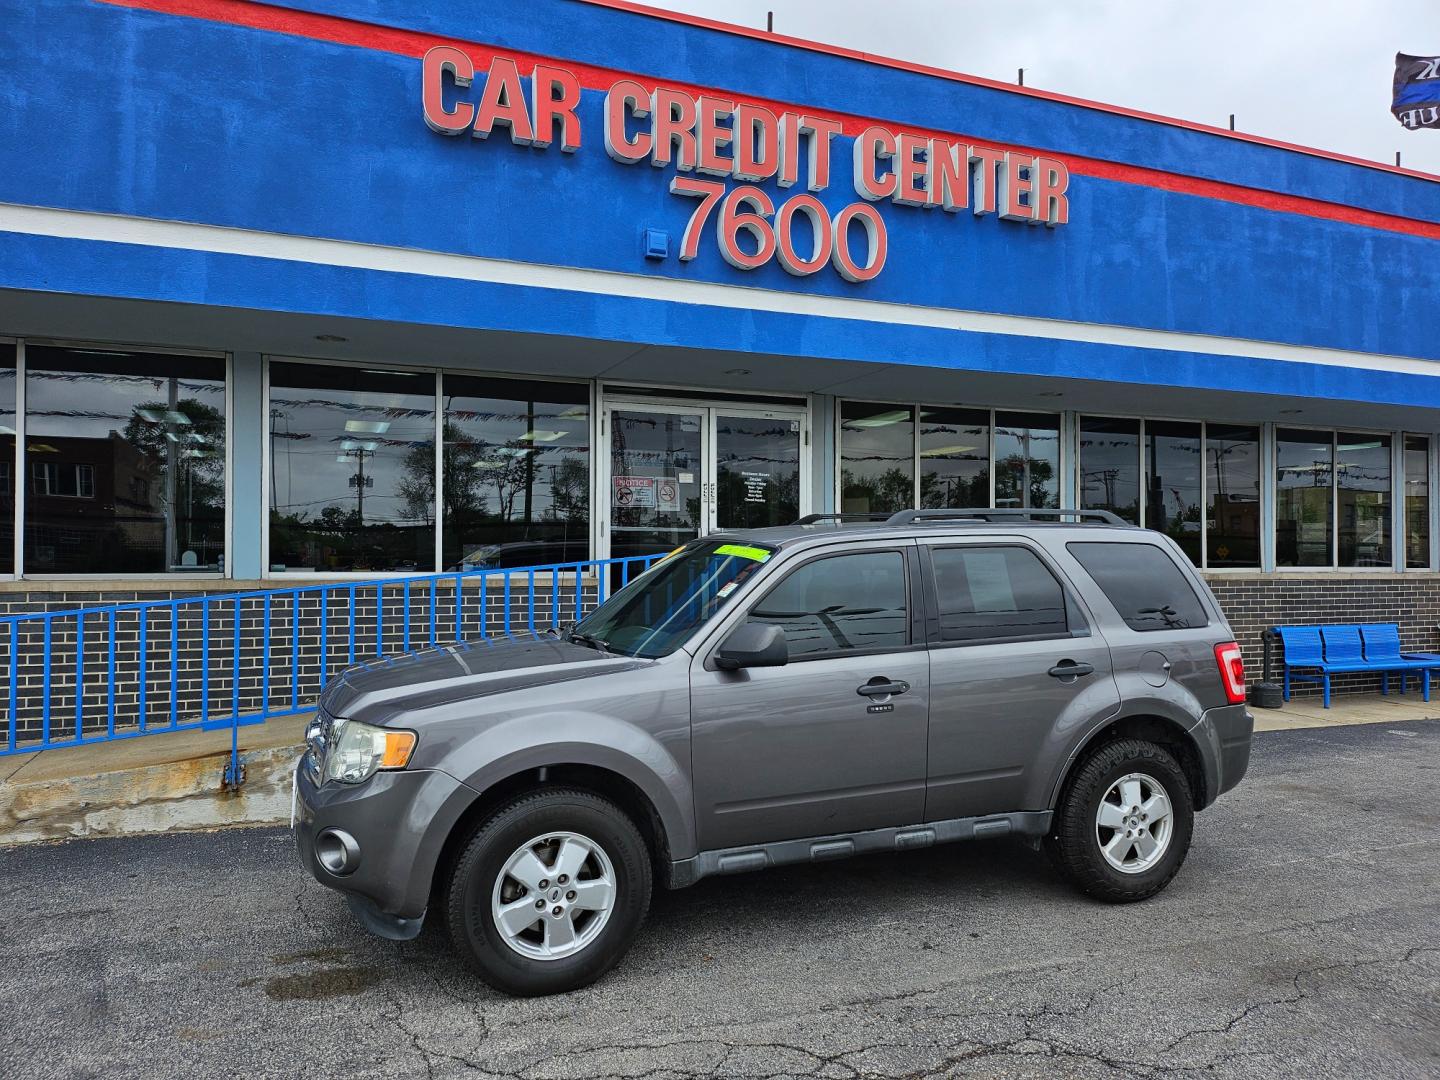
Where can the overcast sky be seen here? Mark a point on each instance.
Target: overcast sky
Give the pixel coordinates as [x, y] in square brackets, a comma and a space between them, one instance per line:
[1314, 72]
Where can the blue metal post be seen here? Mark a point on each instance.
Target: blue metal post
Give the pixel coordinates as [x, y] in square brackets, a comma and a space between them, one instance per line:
[80, 676]
[204, 660]
[324, 636]
[144, 664]
[174, 663]
[295, 649]
[265, 662]
[110, 681]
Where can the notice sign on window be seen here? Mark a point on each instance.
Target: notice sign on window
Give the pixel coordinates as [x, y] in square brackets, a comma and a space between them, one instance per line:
[634, 491]
[755, 484]
[667, 494]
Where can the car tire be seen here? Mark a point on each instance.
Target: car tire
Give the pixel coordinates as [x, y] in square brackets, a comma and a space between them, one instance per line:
[1109, 837]
[572, 940]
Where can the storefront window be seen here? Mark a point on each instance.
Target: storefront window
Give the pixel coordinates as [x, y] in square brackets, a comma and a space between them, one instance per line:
[1232, 495]
[1172, 483]
[1417, 501]
[7, 458]
[877, 458]
[517, 473]
[1110, 466]
[1304, 468]
[125, 462]
[1362, 481]
[954, 458]
[352, 469]
[1027, 460]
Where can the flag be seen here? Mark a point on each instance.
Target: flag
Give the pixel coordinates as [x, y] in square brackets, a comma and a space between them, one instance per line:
[1416, 101]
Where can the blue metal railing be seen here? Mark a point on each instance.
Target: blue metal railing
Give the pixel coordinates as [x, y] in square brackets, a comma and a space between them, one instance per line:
[120, 671]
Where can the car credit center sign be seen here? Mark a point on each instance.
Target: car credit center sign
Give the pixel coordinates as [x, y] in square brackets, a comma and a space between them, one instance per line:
[714, 136]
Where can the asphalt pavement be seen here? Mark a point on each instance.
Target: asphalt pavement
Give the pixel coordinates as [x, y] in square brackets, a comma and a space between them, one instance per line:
[1302, 939]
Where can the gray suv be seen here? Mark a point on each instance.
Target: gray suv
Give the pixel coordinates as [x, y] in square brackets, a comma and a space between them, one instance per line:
[782, 696]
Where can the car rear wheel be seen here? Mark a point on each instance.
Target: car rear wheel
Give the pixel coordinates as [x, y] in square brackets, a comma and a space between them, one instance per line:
[549, 892]
[1123, 826]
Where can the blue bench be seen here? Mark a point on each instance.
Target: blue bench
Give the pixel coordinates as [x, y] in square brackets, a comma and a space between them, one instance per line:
[1348, 649]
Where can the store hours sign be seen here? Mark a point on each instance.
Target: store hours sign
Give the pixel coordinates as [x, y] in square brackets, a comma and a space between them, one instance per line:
[718, 150]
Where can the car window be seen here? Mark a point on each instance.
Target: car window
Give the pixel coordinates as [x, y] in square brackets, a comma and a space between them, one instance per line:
[653, 615]
[1001, 592]
[841, 603]
[1144, 583]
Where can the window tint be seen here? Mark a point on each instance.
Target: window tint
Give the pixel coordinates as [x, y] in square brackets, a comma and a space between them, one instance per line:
[845, 602]
[126, 453]
[987, 593]
[1148, 590]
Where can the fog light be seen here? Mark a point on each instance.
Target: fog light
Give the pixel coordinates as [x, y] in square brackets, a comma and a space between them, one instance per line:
[338, 851]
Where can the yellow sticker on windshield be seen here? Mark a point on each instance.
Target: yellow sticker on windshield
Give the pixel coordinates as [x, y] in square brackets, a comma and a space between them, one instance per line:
[742, 551]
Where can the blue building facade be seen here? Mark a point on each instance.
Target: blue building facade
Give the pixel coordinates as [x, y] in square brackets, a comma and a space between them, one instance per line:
[352, 287]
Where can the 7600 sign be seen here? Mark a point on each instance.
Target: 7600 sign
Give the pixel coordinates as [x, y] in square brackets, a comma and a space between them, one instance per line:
[749, 209]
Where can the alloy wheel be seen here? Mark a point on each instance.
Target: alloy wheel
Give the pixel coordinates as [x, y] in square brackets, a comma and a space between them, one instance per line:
[1134, 823]
[553, 896]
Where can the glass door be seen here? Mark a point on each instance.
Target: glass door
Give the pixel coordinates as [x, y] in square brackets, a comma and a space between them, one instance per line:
[757, 469]
[675, 472]
[656, 479]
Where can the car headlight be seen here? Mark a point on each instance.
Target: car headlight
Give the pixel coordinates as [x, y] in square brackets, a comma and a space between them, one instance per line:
[358, 751]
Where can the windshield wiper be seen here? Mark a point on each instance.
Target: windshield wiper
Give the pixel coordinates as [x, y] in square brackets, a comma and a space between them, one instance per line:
[589, 639]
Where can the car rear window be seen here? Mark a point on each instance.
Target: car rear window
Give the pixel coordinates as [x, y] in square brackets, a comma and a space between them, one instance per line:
[1143, 582]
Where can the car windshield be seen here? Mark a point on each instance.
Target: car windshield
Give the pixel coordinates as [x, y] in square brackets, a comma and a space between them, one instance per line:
[657, 611]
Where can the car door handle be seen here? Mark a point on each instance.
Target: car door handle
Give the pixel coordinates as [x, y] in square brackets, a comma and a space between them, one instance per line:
[880, 687]
[1069, 669]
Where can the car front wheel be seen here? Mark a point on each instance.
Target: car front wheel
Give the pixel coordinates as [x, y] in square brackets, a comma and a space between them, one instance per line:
[1124, 823]
[549, 892]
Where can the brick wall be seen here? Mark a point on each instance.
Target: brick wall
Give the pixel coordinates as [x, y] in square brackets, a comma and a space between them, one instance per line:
[1255, 603]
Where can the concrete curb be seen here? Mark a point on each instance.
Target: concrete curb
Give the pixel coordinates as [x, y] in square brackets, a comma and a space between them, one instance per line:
[155, 784]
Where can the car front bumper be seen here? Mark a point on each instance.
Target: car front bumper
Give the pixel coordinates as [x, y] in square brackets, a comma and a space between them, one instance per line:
[391, 828]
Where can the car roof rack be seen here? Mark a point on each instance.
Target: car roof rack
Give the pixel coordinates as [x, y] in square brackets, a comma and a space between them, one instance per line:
[812, 519]
[1005, 513]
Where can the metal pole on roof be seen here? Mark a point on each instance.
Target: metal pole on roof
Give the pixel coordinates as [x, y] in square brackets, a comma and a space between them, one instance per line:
[1021, 77]
[1397, 158]
[1232, 121]
[769, 22]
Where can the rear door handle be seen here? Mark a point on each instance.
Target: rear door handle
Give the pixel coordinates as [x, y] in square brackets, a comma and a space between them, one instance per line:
[1069, 669]
[881, 687]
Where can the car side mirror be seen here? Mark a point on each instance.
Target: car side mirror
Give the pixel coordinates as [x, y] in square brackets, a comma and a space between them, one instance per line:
[753, 645]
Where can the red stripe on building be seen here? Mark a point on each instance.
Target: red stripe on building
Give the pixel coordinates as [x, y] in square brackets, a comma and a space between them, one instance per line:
[341, 31]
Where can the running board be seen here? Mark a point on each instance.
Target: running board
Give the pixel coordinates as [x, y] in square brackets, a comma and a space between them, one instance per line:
[740, 860]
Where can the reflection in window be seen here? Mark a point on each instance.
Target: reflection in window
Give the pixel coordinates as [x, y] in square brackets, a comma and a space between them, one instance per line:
[996, 593]
[877, 458]
[352, 469]
[1417, 501]
[1027, 460]
[954, 458]
[126, 454]
[1362, 481]
[840, 603]
[757, 471]
[1172, 479]
[1232, 494]
[7, 458]
[517, 472]
[1304, 467]
[1110, 466]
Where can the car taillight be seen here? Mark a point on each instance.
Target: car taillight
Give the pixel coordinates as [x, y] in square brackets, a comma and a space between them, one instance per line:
[1232, 671]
